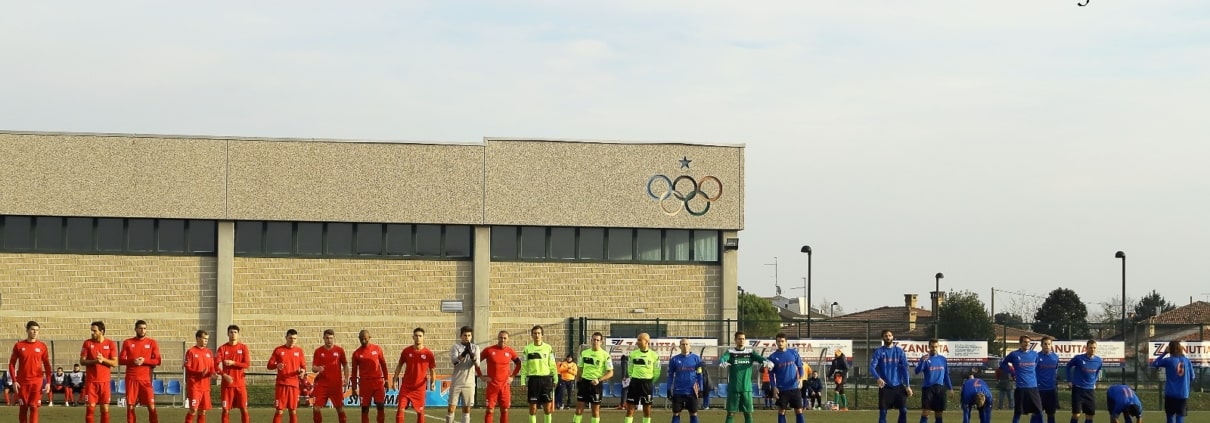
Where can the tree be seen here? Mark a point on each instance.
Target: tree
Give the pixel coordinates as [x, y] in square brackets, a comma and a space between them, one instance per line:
[1011, 320]
[1062, 315]
[757, 317]
[964, 316]
[1145, 308]
[824, 306]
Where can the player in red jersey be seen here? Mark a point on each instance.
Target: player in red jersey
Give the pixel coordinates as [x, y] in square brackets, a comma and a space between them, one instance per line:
[331, 367]
[369, 376]
[199, 369]
[233, 358]
[412, 383]
[140, 355]
[291, 364]
[28, 367]
[499, 378]
[99, 356]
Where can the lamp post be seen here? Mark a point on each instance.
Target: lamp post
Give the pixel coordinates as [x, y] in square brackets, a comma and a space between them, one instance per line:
[937, 305]
[1122, 255]
[834, 304]
[807, 249]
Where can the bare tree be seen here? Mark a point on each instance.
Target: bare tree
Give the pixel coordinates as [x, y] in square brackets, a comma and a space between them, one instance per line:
[825, 306]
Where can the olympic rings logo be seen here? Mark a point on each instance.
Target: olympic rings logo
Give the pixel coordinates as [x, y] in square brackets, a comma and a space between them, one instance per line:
[682, 190]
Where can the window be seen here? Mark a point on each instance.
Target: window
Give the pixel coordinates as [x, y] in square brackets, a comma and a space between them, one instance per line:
[108, 235]
[170, 237]
[458, 241]
[309, 238]
[648, 241]
[563, 243]
[18, 233]
[48, 233]
[399, 240]
[140, 235]
[340, 239]
[202, 235]
[533, 242]
[111, 234]
[621, 244]
[592, 244]
[676, 245]
[248, 237]
[79, 234]
[428, 240]
[369, 239]
[279, 237]
[504, 242]
[705, 245]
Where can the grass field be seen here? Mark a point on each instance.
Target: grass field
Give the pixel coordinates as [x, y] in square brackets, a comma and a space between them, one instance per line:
[61, 414]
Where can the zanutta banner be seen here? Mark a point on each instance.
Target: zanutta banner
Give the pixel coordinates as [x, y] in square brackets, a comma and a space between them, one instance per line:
[1197, 351]
[957, 353]
[1112, 353]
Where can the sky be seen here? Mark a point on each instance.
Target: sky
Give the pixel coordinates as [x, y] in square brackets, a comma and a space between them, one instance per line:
[1009, 145]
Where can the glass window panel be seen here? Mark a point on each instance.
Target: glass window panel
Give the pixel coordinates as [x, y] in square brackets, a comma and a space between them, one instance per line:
[18, 233]
[248, 237]
[140, 235]
[649, 244]
[111, 234]
[591, 245]
[621, 244]
[309, 238]
[202, 235]
[369, 239]
[457, 241]
[340, 239]
[79, 234]
[563, 243]
[279, 237]
[676, 245]
[48, 233]
[171, 236]
[533, 242]
[399, 240]
[504, 242]
[705, 245]
[428, 240]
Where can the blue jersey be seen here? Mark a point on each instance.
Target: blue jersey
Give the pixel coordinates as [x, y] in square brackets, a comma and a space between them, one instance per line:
[787, 369]
[1024, 367]
[1121, 397]
[1179, 372]
[890, 364]
[936, 371]
[1048, 371]
[683, 373]
[1083, 371]
[972, 387]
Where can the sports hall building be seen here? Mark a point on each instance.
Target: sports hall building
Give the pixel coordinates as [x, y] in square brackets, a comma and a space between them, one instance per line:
[192, 232]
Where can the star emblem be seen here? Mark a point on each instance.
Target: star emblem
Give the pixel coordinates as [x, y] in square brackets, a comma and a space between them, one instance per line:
[685, 162]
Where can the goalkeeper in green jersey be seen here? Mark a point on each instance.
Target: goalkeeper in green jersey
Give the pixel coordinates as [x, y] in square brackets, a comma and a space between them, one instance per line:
[738, 362]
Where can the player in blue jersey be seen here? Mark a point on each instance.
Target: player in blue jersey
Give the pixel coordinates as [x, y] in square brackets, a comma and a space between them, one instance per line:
[1122, 400]
[889, 367]
[786, 379]
[976, 396]
[1048, 378]
[1179, 372]
[1083, 371]
[936, 386]
[684, 382]
[1022, 363]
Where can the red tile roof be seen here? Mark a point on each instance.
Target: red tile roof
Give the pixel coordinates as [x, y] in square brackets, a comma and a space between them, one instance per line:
[1196, 312]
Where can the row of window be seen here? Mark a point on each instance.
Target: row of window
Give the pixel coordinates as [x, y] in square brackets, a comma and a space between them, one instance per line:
[339, 239]
[603, 244]
[107, 235]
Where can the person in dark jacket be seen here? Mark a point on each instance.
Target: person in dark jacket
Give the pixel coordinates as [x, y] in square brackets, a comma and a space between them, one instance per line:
[839, 371]
[707, 389]
[814, 388]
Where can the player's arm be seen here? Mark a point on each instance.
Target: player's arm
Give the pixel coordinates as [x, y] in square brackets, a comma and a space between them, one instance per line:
[878, 353]
[801, 371]
[273, 361]
[382, 364]
[903, 371]
[154, 360]
[124, 357]
[455, 355]
[432, 372]
[949, 386]
[655, 364]
[517, 366]
[345, 374]
[398, 370]
[315, 366]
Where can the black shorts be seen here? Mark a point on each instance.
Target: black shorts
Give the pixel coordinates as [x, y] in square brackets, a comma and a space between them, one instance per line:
[1050, 400]
[1176, 406]
[1028, 401]
[790, 399]
[588, 393]
[933, 398]
[1083, 401]
[892, 397]
[639, 391]
[685, 403]
[538, 389]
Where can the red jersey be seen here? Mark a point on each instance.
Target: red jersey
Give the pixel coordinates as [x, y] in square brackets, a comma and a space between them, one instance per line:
[108, 350]
[418, 363]
[498, 360]
[241, 357]
[292, 359]
[369, 363]
[199, 364]
[35, 362]
[333, 360]
[145, 348]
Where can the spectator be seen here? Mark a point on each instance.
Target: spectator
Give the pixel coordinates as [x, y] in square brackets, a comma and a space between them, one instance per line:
[623, 366]
[1004, 386]
[75, 384]
[766, 388]
[5, 387]
[814, 388]
[707, 388]
[567, 381]
[59, 384]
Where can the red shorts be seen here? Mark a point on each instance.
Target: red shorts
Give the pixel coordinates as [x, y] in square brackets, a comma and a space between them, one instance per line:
[96, 393]
[234, 397]
[29, 394]
[197, 395]
[138, 392]
[285, 397]
[415, 397]
[322, 394]
[498, 392]
[372, 390]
